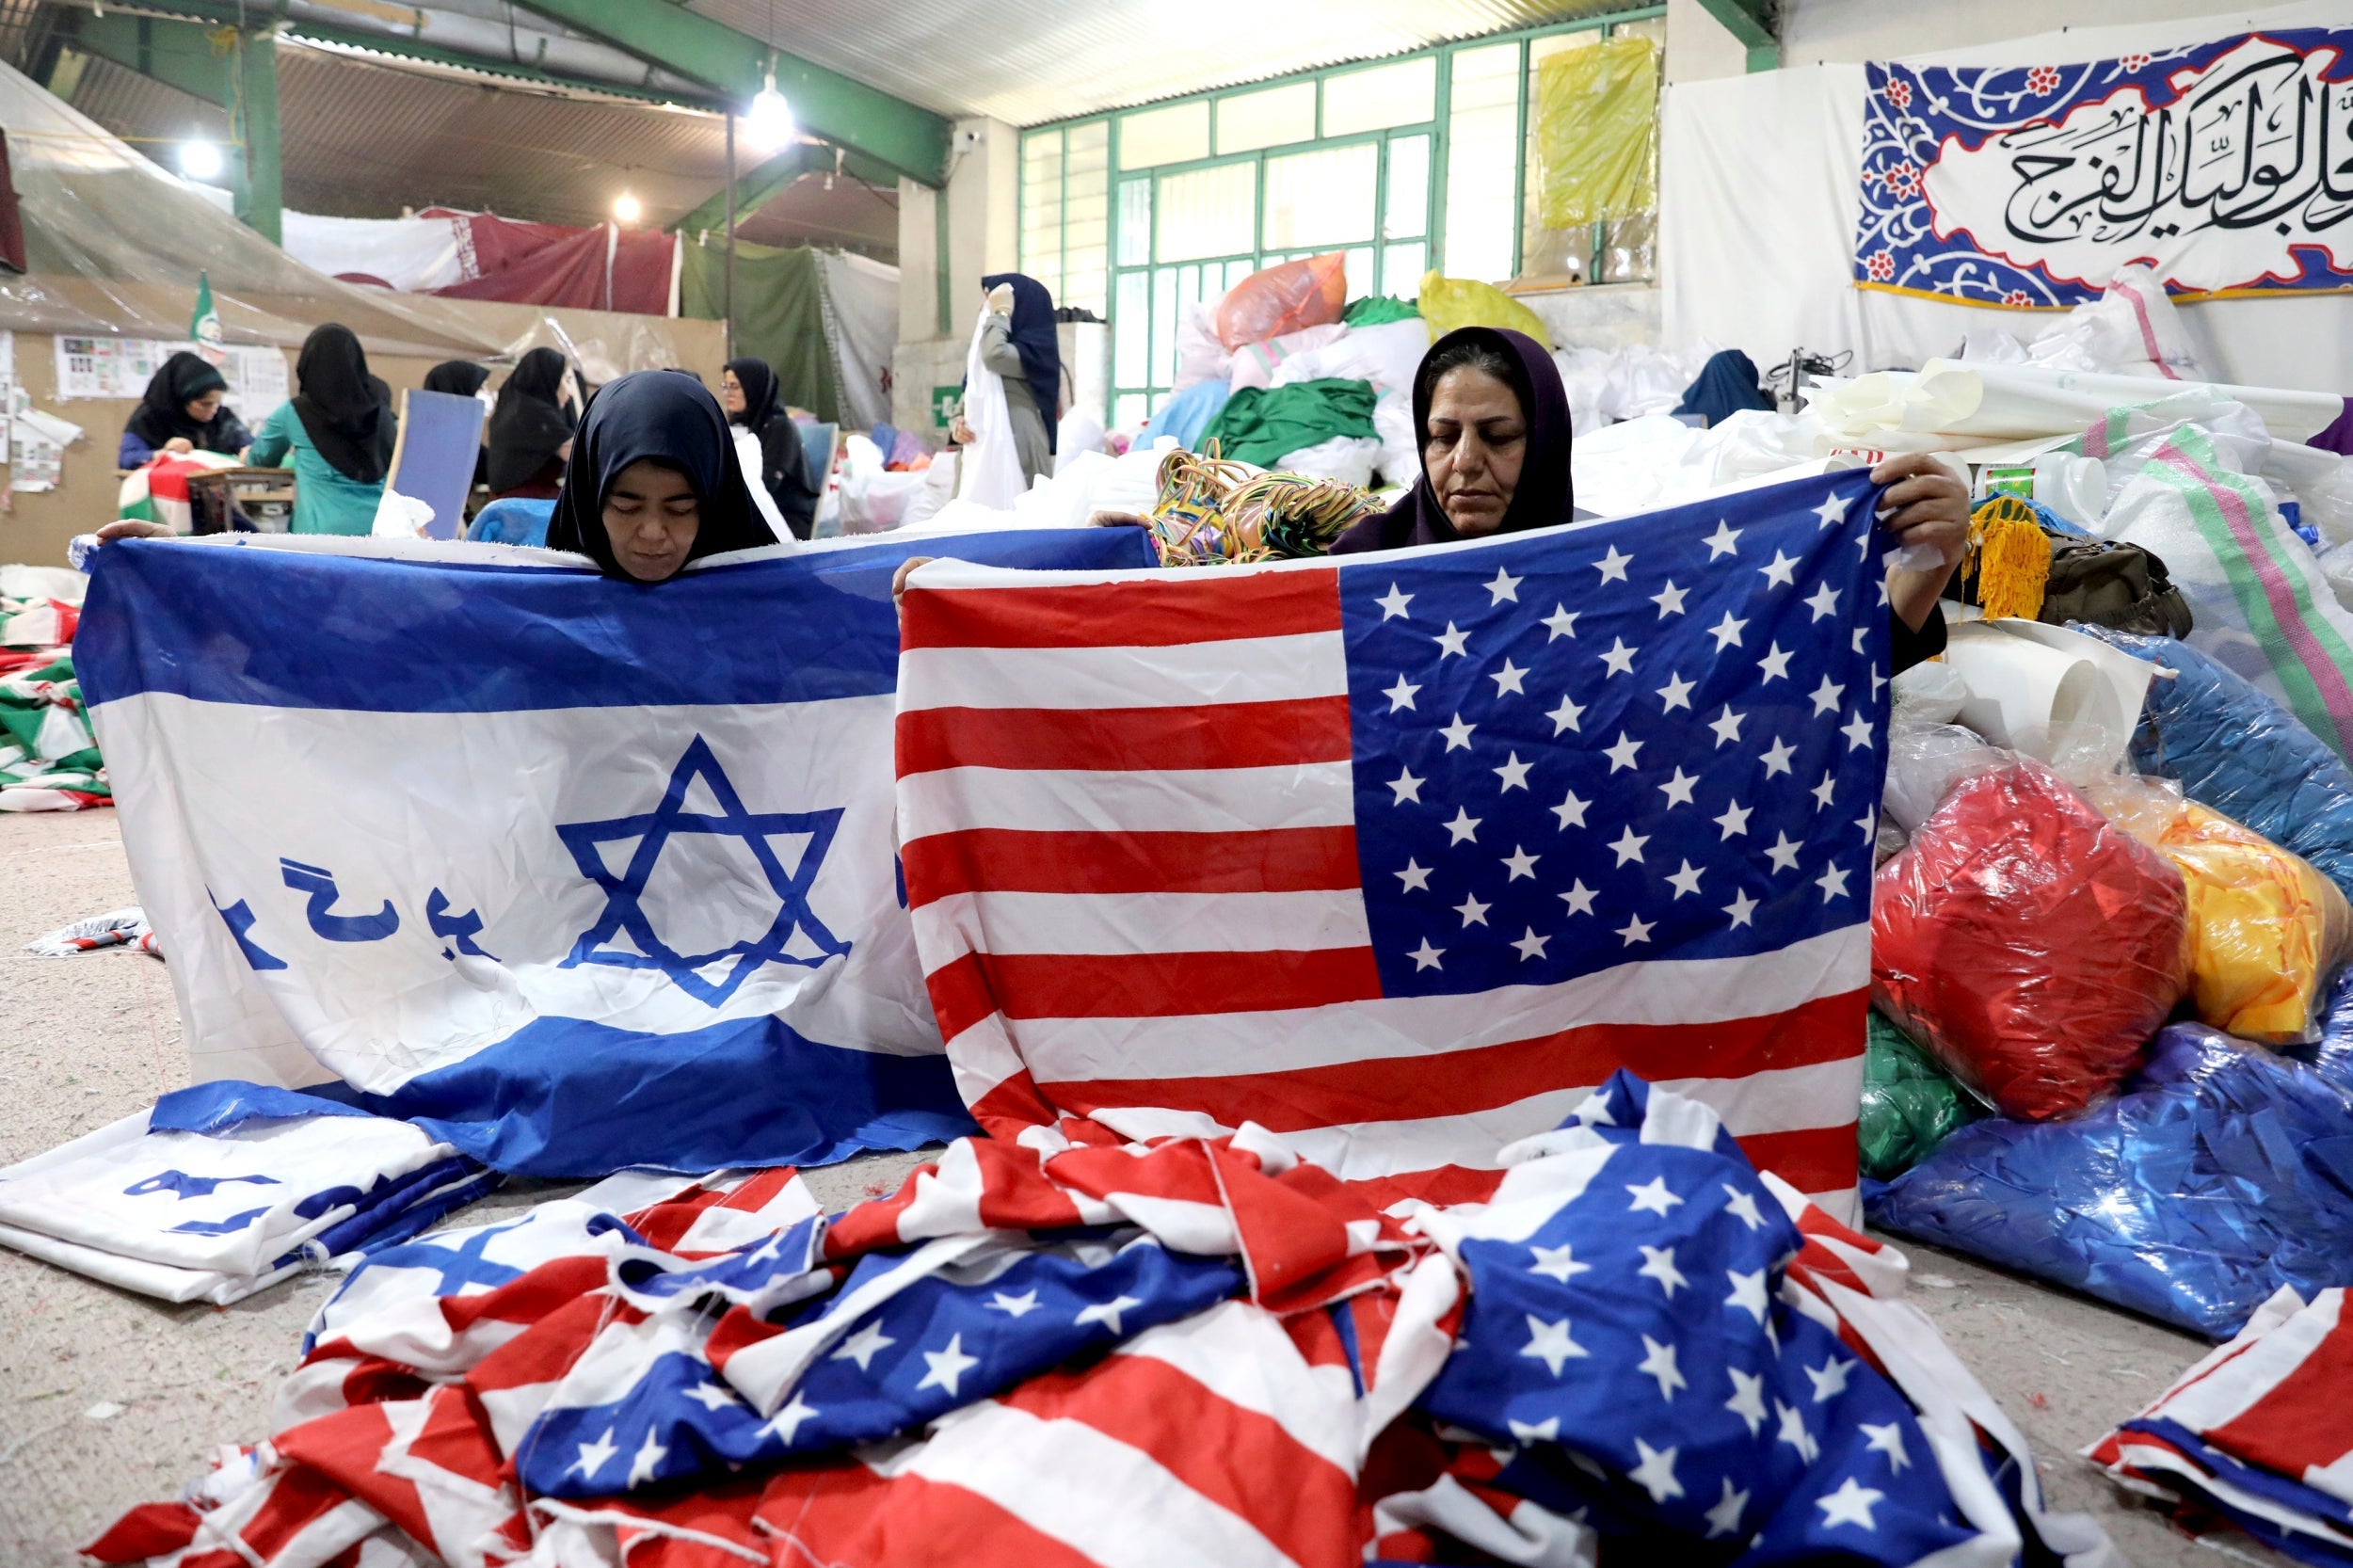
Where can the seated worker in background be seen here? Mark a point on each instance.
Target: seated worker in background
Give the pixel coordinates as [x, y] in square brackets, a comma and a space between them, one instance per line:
[653, 481]
[339, 428]
[752, 398]
[530, 433]
[464, 379]
[182, 411]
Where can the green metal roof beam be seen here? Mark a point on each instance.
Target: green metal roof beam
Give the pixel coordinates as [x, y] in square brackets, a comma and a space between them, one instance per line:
[900, 135]
[1751, 23]
[385, 43]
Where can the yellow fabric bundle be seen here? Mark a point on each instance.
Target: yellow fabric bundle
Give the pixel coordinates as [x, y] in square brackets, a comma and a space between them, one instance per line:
[1596, 124]
[1446, 303]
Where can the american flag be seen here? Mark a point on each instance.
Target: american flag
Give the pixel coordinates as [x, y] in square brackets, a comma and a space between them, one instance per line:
[1400, 856]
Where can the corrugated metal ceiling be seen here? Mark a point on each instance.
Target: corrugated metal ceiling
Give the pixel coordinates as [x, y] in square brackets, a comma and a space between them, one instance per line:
[1049, 59]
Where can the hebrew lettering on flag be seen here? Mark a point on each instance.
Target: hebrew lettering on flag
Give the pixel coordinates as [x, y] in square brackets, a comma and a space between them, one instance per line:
[578, 873]
[1401, 855]
[2225, 166]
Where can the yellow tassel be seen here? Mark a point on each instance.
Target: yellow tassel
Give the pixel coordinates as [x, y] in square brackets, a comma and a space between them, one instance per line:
[2010, 557]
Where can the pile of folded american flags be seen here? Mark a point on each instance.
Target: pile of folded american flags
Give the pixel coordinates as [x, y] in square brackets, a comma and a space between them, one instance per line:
[1185, 1351]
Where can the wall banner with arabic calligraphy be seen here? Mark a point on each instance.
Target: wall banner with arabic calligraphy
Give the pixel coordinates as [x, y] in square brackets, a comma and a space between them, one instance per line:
[2227, 165]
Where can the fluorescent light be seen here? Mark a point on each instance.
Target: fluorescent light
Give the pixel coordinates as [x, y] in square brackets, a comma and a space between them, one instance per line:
[769, 120]
[626, 208]
[199, 160]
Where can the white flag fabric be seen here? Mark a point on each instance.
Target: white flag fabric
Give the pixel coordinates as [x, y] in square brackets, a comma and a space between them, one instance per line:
[578, 873]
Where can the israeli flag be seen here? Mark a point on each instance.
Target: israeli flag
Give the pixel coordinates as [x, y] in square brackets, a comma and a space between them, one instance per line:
[576, 873]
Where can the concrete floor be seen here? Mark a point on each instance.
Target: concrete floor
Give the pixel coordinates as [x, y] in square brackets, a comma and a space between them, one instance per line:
[86, 1040]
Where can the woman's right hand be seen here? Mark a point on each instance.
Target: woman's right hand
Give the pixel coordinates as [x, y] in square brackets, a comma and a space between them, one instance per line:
[131, 528]
[959, 432]
[179, 443]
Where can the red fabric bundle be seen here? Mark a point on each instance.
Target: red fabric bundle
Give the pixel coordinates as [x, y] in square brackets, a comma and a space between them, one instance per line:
[2032, 944]
[1309, 292]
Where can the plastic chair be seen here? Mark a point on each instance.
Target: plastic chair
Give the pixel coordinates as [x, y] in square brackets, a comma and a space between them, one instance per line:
[513, 521]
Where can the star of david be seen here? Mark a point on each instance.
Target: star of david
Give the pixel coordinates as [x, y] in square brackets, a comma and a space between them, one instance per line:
[624, 915]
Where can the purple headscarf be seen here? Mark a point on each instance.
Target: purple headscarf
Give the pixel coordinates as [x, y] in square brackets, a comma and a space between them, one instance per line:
[1543, 497]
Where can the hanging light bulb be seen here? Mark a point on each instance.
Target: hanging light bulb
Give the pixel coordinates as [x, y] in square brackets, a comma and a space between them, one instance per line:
[626, 208]
[769, 120]
[199, 160]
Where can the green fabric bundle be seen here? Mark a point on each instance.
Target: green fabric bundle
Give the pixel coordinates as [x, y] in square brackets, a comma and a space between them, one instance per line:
[1379, 310]
[1910, 1104]
[1261, 425]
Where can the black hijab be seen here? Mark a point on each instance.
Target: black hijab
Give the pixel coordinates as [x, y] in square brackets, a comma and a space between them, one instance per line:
[529, 423]
[1543, 497]
[674, 420]
[163, 411]
[783, 461]
[1033, 337]
[459, 378]
[347, 412]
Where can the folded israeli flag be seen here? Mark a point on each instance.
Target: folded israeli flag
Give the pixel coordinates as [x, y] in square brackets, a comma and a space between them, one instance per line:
[578, 873]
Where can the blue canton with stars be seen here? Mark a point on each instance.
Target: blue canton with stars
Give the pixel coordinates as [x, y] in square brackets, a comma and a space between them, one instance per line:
[624, 911]
[1660, 737]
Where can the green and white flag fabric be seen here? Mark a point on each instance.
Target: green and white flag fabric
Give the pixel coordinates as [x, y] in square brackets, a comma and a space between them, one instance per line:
[204, 326]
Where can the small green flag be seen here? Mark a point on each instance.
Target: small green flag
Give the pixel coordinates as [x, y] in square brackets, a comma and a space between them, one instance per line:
[204, 326]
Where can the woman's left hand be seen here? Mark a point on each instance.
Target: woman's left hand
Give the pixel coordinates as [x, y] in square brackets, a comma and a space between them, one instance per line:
[907, 569]
[1923, 503]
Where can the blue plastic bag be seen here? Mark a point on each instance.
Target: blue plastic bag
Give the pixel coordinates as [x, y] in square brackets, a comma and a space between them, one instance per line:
[2238, 751]
[2222, 1172]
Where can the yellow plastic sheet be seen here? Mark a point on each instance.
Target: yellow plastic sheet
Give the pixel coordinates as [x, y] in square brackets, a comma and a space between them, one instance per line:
[1596, 121]
[1446, 303]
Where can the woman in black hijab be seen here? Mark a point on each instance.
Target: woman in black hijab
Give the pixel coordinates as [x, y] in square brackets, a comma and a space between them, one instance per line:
[749, 392]
[182, 411]
[457, 378]
[653, 482]
[338, 429]
[1020, 346]
[531, 429]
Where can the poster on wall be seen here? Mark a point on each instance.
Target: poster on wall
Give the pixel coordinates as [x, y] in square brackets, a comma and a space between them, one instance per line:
[2225, 166]
[119, 368]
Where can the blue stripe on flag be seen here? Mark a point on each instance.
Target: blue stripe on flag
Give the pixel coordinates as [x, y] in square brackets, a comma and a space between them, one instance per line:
[293, 629]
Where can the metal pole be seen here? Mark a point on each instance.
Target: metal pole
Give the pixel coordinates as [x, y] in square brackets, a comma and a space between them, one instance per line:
[729, 295]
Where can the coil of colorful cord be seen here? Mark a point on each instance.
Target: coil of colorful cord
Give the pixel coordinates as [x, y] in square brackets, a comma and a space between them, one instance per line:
[1216, 512]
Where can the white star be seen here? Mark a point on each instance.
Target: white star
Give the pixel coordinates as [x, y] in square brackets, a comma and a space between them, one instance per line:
[1869, 823]
[1876, 682]
[1507, 678]
[1858, 733]
[1630, 845]
[1784, 855]
[1473, 912]
[1724, 1519]
[1747, 1399]
[711, 1396]
[1416, 876]
[1833, 511]
[1513, 773]
[1393, 603]
[1856, 641]
[1016, 1306]
[1849, 1505]
[1888, 1440]
[1784, 571]
[1579, 898]
[1726, 725]
[1620, 657]
[1658, 1263]
[1678, 789]
[1660, 1364]
[1504, 586]
[861, 1347]
[1106, 1313]
[1612, 566]
[1401, 695]
[1635, 930]
[947, 1366]
[1657, 1473]
[593, 1455]
[1741, 908]
[1426, 957]
[1550, 1343]
[1832, 883]
[1748, 1292]
[1622, 755]
[1677, 693]
[1670, 599]
[1457, 734]
[1546, 1431]
[1519, 863]
[1777, 757]
[1685, 881]
[1557, 1263]
[1823, 792]
[1652, 1197]
[1565, 716]
[1464, 827]
[649, 1453]
[1823, 602]
[1727, 632]
[1407, 787]
[1826, 697]
[1450, 641]
[1720, 542]
[1775, 664]
[1563, 623]
[1736, 819]
[1570, 811]
[1794, 1434]
[1742, 1206]
[1828, 1379]
[786, 1423]
[1531, 945]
